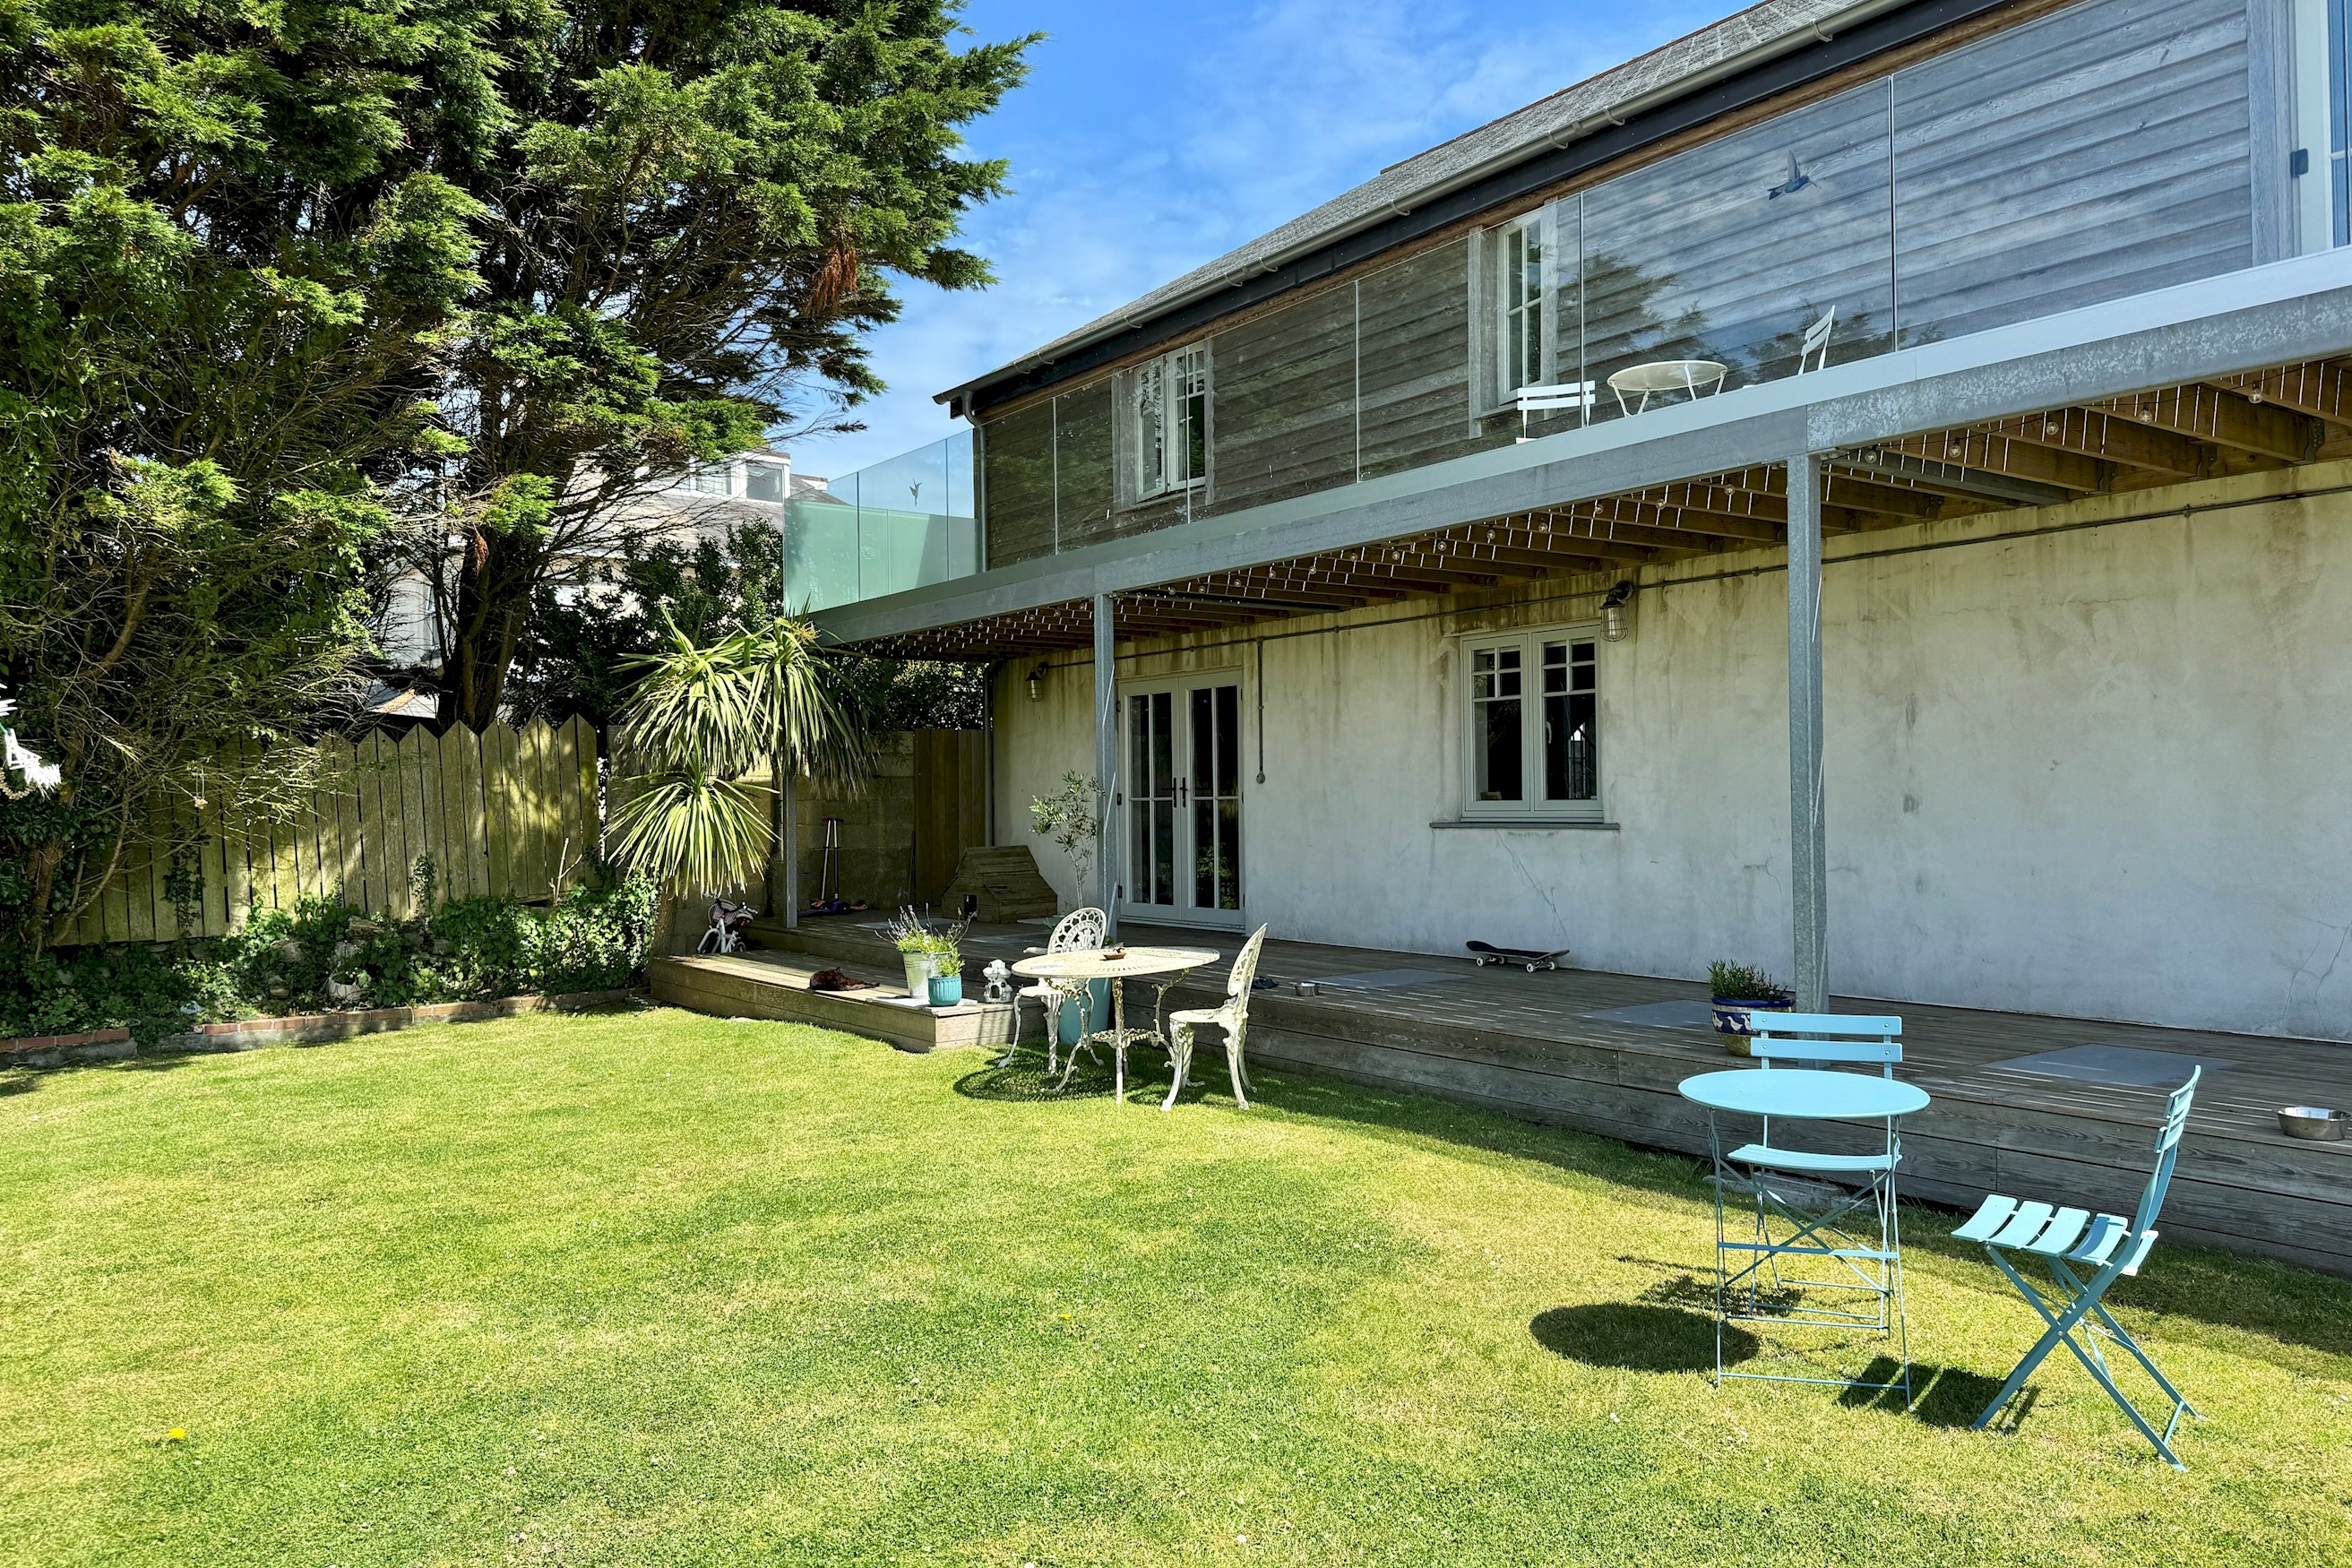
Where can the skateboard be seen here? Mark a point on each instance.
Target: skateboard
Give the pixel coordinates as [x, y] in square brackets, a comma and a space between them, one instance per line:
[1484, 953]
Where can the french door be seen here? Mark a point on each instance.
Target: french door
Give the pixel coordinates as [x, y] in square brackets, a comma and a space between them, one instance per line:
[1180, 783]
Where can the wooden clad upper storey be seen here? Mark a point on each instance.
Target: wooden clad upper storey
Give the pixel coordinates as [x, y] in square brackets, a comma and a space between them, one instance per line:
[2075, 155]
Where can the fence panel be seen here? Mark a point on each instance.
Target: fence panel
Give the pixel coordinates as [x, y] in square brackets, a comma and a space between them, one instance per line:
[499, 812]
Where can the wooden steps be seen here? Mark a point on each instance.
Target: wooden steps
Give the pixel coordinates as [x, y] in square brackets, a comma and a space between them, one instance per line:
[771, 985]
[1006, 881]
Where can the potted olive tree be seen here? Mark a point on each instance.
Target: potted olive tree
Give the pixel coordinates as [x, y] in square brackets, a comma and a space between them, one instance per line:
[1738, 989]
[1069, 819]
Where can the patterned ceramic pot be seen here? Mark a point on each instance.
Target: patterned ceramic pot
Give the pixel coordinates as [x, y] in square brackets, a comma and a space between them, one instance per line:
[946, 990]
[1732, 1022]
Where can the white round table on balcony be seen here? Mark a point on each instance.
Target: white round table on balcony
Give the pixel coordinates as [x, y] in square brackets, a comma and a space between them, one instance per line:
[1687, 376]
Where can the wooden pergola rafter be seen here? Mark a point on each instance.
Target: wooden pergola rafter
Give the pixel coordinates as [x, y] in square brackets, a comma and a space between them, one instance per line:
[2261, 419]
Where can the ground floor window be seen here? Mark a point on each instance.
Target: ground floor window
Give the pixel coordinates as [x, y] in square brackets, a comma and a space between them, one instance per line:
[1533, 736]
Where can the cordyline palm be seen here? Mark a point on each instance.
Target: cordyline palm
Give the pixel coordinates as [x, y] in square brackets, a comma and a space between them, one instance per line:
[700, 721]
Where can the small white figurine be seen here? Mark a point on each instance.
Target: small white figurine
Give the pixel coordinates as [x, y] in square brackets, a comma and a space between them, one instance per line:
[1000, 981]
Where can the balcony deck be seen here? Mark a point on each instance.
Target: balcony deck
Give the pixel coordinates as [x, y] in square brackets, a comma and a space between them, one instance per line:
[1560, 1047]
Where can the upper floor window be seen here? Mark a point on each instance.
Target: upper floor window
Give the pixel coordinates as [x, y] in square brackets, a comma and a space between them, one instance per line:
[1171, 421]
[763, 481]
[707, 480]
[1533, 725]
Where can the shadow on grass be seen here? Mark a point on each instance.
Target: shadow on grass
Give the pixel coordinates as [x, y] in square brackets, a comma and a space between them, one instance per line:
[2298, 1307]
[1947, 1396]
[1639, 1338]
[1026, 1082]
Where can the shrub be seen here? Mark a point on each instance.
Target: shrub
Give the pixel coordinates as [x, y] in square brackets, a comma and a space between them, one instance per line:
[323, 955]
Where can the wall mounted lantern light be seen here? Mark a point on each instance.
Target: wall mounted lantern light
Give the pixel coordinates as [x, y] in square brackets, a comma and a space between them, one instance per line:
[1037, 684]
[1617, 612]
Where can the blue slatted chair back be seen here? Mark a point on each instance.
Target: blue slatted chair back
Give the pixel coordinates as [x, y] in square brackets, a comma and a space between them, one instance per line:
[2168, 1151]
[1833, 1037]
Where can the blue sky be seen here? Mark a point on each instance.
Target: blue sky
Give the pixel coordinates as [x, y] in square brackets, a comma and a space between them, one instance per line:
[1153, 137]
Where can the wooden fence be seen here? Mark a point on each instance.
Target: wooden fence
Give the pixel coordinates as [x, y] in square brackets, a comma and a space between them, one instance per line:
[508, 812]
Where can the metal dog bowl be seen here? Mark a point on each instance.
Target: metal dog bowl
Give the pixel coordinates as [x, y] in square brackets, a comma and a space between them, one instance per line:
[2311, 1122]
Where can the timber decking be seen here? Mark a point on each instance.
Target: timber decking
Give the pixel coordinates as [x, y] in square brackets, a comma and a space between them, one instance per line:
[1531, 1045]
[774, 985]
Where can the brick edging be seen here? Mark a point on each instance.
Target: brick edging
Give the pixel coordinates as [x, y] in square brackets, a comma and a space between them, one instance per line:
[253, 1034]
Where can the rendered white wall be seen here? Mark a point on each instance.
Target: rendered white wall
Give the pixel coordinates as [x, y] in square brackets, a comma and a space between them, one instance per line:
[2097, 773]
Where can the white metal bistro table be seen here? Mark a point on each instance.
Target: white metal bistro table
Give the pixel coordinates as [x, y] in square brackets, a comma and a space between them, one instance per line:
[1802, 1094]
[1662, 376]
[1131, 963]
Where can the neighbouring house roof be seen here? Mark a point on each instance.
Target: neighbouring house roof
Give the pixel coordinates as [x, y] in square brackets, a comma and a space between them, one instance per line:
[1670, 71]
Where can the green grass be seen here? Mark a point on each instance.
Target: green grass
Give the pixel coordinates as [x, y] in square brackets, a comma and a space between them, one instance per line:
[651, 1287]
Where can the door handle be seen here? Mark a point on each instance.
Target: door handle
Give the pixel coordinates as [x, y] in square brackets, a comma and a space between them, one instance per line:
[1180, 792]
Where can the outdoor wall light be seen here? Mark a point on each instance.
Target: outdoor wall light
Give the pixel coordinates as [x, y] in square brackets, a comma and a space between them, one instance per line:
[1037, 684]
[1617, 612]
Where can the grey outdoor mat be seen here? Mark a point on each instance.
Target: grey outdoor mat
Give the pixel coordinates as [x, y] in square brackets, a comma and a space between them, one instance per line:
[1687, 1014]
[1383, 979]
[2122, 1067]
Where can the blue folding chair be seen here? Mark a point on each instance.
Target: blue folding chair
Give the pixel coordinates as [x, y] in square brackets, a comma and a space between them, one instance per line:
[1855, 1182]
[2108, 1247]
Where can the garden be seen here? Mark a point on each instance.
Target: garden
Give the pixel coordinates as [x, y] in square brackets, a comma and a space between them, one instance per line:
[646, 1287]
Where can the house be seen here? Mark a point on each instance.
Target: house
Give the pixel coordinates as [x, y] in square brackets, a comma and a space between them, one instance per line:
[1864, 489]
[705, 501]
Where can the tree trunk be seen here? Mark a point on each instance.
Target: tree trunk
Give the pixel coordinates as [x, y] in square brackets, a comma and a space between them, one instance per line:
[495, 584]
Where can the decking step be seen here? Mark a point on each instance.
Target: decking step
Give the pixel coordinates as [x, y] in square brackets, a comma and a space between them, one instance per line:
[774, 985]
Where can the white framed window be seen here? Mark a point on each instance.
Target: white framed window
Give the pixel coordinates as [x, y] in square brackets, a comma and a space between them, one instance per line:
[763, 481]
[1171, 422]
[1532, 724]
[1522, 325]
[707, 480]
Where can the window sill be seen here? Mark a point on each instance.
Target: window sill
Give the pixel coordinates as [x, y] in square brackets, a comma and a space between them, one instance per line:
[1578, 823]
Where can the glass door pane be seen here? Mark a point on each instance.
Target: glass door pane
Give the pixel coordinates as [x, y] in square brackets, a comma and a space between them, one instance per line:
[1215, 780]
[1572, 718]
[1151, 799]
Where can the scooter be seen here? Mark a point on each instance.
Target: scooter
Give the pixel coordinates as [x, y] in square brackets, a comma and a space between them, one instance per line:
[729, 921]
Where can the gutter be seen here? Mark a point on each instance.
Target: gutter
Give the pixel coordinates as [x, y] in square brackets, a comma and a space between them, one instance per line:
[1635, 123]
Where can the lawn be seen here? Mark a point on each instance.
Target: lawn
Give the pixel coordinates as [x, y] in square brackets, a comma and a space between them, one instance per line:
[653, 1288]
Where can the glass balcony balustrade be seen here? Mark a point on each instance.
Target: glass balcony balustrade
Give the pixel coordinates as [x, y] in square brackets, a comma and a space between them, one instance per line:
[905, 522]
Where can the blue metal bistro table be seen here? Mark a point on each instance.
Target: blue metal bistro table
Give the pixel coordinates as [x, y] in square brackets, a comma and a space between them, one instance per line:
[1803, 1210]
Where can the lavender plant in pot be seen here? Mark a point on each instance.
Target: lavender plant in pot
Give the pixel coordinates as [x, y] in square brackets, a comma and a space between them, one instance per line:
[946, 984]
[1738, 989]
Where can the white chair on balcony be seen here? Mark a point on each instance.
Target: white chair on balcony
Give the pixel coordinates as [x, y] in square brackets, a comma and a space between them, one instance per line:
[1080, 930]
[1567, 395]
[1814, 349]
[1233, 1017]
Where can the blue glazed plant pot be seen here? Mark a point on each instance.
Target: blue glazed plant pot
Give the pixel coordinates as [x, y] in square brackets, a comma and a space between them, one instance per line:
[1732, 1022]
[1097, 1012]
[946, 990]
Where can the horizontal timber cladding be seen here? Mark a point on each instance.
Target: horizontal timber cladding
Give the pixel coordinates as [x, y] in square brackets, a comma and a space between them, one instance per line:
[1285, 389]
[2092, 152]
[1017, 458]
[1412, 361]
[1082, 465]
[2100, 152]
[1710, 255]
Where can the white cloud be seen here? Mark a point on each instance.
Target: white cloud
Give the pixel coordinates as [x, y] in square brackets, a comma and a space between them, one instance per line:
[1149, 143]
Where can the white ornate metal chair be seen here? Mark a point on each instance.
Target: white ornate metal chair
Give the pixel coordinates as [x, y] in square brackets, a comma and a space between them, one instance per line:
[1232, 1018]
[1079, 931]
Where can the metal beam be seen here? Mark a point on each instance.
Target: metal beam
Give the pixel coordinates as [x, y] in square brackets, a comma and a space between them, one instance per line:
[1808, 837]
[1106, 761]
[1945, 475]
